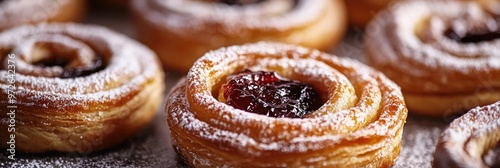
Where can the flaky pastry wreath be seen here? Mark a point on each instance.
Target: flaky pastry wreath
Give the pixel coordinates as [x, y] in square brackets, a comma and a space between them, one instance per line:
[443, 54]
[359, 122]
[74, 88]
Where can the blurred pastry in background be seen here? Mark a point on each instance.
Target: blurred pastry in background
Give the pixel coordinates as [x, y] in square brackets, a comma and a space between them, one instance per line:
[471, 140]
[181, 31]
[360, 12]
[74, 88]
[446, 61]
[18, 12]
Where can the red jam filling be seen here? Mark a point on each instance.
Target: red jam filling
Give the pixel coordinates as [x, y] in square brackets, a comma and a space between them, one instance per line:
[268, 94]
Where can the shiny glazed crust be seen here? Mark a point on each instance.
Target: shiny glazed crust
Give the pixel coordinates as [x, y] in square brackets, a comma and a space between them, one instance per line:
[439, 76]
[18, 12]
[469, 138]
[181, 31]
[359, 125]
[79, 114]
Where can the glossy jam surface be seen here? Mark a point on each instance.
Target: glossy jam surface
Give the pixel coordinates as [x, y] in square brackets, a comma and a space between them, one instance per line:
[268, 94]
[96, 66]
[473, 37]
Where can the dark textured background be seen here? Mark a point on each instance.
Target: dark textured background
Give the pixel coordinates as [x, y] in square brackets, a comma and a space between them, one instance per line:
[152, 148]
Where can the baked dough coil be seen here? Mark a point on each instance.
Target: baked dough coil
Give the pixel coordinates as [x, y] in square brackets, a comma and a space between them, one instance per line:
[18, 12]
[76, 88]
[469, 139]
[446, 61]
[360, 123]
[181, 31]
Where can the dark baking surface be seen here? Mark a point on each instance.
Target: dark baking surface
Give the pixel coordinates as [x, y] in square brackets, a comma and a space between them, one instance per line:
[152, 148]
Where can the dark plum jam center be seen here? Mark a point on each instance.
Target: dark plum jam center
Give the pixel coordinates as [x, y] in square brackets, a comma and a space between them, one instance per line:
[96, 66]
[268, 94]
[472, 37]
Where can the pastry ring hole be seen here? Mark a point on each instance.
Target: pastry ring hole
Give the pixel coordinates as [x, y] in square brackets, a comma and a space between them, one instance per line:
[333, 88]
[57, 56]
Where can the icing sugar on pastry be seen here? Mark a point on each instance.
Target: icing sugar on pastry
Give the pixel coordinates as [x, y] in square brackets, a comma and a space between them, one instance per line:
[360, 104]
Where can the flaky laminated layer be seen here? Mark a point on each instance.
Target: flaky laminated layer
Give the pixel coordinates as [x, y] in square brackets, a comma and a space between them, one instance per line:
[360, 124]
[16, 12]
[127, 90]
[469, 138]
[408, 43]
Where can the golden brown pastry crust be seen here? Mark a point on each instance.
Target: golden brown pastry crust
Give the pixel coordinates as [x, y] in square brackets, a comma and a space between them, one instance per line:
[360, 124]
[18, 12]
[360, 12]
[439, 76]
[181, 31]
[79, 114]
[468, 138]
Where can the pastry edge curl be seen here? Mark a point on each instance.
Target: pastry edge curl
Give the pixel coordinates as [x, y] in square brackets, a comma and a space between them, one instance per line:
[468, 138]
[198, 153]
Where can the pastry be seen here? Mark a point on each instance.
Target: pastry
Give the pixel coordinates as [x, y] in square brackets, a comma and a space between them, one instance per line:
[446, 61]
[360, 12]
[181, 31]
[75, 88]
[320, 110]
[17, 12]
[109, 4]
[470, 139]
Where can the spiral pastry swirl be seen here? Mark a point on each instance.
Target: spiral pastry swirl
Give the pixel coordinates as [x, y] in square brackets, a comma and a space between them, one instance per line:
[181, 31]
[446, 61]
[17, 12]
[360, 12]
[360, 123]
[76, 88]
[469, 138]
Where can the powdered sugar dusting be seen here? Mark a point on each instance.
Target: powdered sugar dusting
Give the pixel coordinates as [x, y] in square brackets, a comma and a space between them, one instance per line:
[362, 106]
[16, 12]
[126, 61]
[468, 138]
[275, 15]
[408, 43]
[131, 71]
